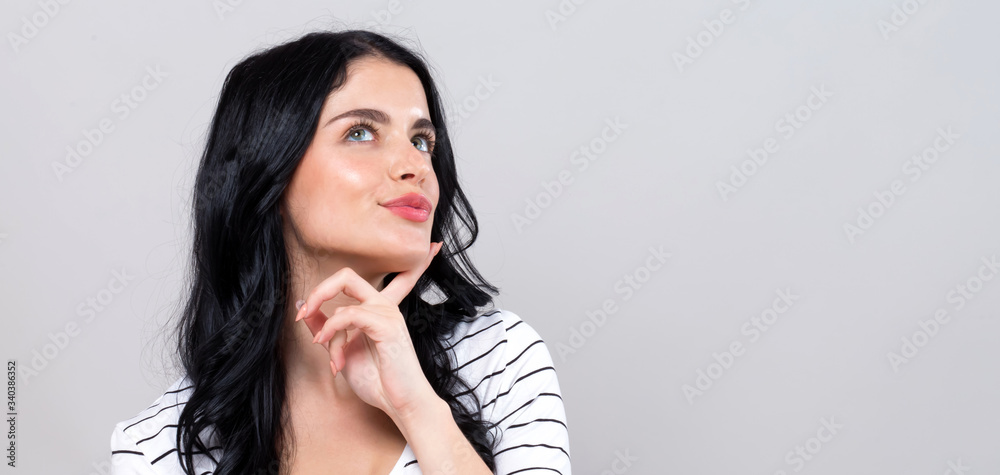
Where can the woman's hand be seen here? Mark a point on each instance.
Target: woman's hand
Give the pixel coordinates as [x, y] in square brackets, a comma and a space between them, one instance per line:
[369, 342]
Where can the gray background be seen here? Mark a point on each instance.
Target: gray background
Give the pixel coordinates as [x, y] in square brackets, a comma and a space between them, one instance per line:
[123, 207]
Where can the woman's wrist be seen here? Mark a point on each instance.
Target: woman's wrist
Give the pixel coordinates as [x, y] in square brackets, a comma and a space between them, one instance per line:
[422, 412]
[437, 442]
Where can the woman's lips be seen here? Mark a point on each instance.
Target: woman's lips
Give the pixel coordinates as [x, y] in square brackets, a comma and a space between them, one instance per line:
[412, 214]
[411, 206]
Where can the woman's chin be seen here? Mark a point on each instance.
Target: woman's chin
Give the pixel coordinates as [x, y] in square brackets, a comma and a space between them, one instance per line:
[402, 259]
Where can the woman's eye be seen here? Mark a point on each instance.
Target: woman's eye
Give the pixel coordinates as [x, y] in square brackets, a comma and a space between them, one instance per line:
[360, 135]
[421, 144]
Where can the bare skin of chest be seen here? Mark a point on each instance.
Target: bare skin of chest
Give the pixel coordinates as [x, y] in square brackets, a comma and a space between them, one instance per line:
[352, 440]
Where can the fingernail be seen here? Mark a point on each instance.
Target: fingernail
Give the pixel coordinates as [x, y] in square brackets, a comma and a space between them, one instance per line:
[299, 304]
[302, 310]
[333, 367]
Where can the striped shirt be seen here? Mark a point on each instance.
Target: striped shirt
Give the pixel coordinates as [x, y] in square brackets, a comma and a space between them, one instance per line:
[500, 356]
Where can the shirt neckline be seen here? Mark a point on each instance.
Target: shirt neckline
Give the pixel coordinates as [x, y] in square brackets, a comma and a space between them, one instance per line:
[404, 457]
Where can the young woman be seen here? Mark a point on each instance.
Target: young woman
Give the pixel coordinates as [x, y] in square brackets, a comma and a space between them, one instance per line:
[334, 322]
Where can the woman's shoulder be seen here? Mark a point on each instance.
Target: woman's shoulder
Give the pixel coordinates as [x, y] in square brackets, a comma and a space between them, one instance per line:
[146, 443]
[491, 335]
[507, 364]
[499, 353]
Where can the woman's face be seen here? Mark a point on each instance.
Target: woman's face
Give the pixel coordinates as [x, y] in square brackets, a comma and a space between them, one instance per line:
[372, 147]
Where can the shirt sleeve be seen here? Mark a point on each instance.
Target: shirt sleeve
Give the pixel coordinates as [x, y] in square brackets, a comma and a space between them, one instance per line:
[126, 458]
[529, 411]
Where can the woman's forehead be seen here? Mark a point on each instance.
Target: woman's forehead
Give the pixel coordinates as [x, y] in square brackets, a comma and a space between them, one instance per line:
[379, 84]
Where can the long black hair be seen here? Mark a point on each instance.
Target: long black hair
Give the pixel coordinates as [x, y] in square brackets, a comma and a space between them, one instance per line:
[230, 331]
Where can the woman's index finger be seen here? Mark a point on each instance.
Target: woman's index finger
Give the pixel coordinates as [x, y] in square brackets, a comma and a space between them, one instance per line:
[403, 283]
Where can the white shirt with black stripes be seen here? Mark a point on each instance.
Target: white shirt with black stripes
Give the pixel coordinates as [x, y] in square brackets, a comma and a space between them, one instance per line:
[499, 355]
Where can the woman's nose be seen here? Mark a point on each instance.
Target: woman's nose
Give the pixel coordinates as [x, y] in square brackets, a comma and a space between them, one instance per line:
[409, 163]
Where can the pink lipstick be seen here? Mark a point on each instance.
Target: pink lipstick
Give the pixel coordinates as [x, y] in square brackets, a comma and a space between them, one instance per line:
[411, 206]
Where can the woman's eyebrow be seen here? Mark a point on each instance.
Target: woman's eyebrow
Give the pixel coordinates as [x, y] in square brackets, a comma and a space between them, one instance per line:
[369, 114]
[380, 117]
[424, 124]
